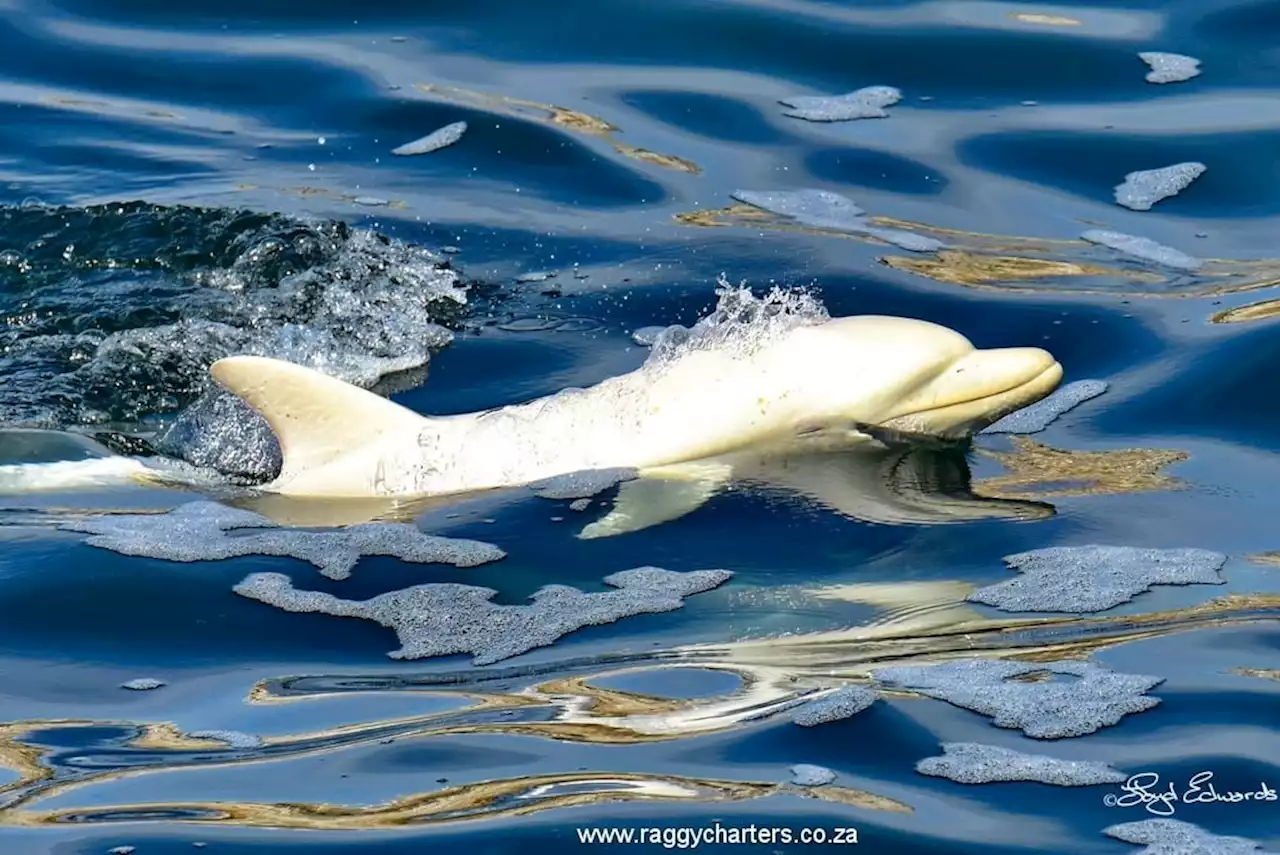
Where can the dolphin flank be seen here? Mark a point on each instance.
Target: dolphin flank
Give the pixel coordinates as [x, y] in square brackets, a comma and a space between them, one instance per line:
[813, 388]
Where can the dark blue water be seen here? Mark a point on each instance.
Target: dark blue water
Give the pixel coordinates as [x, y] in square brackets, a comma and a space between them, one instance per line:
[183, 181]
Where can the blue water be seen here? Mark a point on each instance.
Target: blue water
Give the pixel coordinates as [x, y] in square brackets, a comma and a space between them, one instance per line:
[256, 137]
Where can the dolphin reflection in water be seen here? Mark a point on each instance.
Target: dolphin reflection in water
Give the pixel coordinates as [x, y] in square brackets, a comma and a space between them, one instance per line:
[817, 408]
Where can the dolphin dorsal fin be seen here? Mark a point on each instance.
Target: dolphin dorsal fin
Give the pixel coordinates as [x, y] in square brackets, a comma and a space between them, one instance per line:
[314, 416]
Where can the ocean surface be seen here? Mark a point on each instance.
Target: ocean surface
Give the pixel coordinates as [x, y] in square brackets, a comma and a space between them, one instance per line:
[184, 181]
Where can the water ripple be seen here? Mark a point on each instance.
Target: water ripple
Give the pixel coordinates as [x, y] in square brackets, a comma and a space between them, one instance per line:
[182, 180]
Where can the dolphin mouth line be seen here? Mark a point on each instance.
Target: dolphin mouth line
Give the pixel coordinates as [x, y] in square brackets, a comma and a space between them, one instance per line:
[1037, 380]
[893, 437]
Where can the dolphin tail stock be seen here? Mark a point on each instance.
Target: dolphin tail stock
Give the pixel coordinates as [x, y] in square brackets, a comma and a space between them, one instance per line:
[316, 418]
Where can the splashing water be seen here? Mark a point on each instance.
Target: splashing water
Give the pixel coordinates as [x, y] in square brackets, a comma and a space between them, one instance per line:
[741, 323]
[112, 314]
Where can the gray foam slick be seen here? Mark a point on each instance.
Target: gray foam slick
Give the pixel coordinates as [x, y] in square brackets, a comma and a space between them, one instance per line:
[1142, 189]
[1143, 248]
[1169, 67]
[866, 103]
[1041, 414]
[1083, 579]
[809, 775]
[143, 684]
[1175, 837]
[446, 618]
[974, 763]
[1078, 698]
[844, 702]
[200, 531]
[822, 209]
[583, 484]
[231, 738]
[535, 276]
[434, 141]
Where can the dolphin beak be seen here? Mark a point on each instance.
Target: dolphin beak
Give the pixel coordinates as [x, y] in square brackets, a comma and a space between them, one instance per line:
[1016, 371]
[978, 389]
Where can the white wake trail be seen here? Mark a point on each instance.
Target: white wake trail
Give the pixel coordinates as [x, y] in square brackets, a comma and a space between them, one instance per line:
[66, 475]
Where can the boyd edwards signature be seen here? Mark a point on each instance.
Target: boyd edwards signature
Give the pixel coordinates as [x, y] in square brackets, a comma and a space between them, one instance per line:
[1145, 789]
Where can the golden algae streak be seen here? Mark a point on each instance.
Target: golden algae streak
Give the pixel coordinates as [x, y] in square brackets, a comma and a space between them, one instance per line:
[1260, 311]
[546, 114]
[608, 703]
[560, 117]
[1013, 274]
[26, 761]
[1037, 471]
[168, 737]
[1019, 264]
[960, 267]
[1260, 673]
[733, 215]
[123, 108]
[485, 800]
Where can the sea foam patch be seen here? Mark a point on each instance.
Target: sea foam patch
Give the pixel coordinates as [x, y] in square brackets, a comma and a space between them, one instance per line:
[1169, 67]
[1143, 248]
[143, 684]
[868, 102]
[1083, 579]
[434, 141]
[1175, 837]
[1041, 414]
[207, 531]
[975, 763]
[1078, 698]
[582, 485]
[809, 775]
[234, 739]
[1142, 189]
[823, 209]
[844, 702]
[445, 619]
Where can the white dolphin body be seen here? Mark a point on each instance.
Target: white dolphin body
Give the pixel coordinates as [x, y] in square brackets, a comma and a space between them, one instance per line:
[811, 388]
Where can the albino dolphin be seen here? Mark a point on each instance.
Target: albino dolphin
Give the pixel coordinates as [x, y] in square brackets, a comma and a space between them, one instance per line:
[810, 389]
